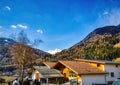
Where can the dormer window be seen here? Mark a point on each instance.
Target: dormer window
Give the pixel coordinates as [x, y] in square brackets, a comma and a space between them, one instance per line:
[98, 65]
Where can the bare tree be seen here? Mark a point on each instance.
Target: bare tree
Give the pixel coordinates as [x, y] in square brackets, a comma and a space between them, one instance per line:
[22, 38]
[22, 54]
[37, 42]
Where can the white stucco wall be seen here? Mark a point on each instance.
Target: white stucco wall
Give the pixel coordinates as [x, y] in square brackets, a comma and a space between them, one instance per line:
[90, 79]
[112, 68]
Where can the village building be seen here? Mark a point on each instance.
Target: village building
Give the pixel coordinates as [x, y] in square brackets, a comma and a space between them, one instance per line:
[46, 75]
[112, 68]
[80, 72]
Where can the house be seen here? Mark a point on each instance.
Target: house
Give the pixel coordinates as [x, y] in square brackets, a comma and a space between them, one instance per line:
[81, 72]
[47, 75]
[113, 68]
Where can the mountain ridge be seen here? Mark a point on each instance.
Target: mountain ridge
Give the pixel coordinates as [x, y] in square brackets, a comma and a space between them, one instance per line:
[5, 57]
[99, 44]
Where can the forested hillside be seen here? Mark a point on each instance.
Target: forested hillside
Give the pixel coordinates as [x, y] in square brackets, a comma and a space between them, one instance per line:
[98, 45]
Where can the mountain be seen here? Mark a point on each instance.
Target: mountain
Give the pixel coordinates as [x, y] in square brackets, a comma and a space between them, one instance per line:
[5, 58]
[98, 45]
[4, 53]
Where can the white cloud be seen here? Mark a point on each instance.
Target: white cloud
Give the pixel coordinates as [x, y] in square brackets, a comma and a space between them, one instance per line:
[13, 26]
[39, 31]
[109, 18]
[22, 26]
[105, 12]
[19, 26]
[54, 51]
[7, 8]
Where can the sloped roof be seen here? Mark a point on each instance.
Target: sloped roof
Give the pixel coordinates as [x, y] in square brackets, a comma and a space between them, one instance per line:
[89, 61]
[50, 64]
[98, 61]
[81, 67]
[49, 73]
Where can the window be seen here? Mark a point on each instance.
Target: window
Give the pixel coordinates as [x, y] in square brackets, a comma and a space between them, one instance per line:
[98, 65]
[112, 74]
[116, 66]
[64, 74]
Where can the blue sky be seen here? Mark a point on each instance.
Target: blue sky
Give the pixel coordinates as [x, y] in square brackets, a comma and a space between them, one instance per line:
[59, 23]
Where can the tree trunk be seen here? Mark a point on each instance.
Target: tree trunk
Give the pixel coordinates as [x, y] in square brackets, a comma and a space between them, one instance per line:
[22, 75]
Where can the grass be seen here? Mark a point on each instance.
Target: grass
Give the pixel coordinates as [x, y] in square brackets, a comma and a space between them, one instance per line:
[7, 79]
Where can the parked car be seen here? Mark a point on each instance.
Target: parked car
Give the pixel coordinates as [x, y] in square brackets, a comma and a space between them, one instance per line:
[116, 82]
